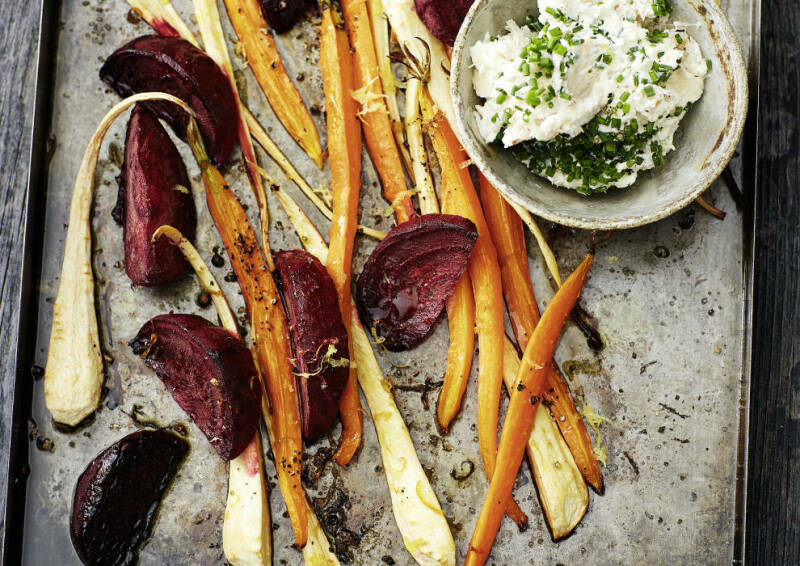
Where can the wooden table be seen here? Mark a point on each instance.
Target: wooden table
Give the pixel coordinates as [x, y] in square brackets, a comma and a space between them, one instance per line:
[773, 506]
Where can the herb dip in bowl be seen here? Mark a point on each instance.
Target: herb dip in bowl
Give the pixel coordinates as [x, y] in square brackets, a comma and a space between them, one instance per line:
[593, 96]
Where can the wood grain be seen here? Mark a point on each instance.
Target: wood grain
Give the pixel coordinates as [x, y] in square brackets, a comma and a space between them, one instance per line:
[18, 51]
[773, 525]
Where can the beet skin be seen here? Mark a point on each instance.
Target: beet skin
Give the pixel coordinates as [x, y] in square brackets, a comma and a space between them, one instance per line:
[409, 276]
[315, 324]
[154, 63]
[209, 372]
[118, 495]
[282, 15]
[153, 190]
[443, 18]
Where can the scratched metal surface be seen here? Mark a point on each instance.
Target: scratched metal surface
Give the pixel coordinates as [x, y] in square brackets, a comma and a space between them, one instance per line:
[668, 298]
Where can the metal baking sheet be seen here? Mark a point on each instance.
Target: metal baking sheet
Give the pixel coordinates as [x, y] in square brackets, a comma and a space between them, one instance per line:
[670, 301]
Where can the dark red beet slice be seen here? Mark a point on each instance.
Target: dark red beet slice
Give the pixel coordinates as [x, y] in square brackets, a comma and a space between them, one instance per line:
[410, 275]
[118, 495]
[315, 324]
[282, 15]
[210, 374]
[153, 190]
[443, 18]
[175, 66]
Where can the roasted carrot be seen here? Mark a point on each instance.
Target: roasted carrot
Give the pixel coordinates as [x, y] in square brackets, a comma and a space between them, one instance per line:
[380, 35]
[267, 66]
[459, 197]
[461, 322]
[344, 155]
[374, 115]
[270, 331]
[505, 226]
[506, 229]
[522, 409]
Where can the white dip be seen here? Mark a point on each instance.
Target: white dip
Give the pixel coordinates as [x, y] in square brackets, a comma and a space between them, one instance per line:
[592, 92]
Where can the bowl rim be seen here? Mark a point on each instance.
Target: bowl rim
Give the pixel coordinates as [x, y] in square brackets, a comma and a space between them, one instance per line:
[736, 121]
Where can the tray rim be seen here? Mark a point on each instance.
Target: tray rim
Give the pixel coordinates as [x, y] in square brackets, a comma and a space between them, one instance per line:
[15, 494]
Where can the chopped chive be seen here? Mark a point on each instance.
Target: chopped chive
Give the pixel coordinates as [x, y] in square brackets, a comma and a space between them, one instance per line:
[502, 96]
[649, 90]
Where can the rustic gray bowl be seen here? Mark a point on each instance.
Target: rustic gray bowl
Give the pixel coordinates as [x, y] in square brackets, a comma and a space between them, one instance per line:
[704, 144]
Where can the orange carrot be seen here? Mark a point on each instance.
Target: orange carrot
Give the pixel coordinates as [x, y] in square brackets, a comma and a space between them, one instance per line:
[374, 115]
[459, 197]
[521, 413]
[265, 61]
[270, 332]
[461, 320]
[344, 155]
[461, 305]
[506, 228]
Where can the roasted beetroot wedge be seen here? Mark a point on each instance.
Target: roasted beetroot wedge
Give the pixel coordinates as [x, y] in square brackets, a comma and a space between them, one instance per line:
[410, 275]
[443, 19]
[118, 495]
[282, 15]
[153, 190]
[210, 374]
[175, 66]
[319, 338]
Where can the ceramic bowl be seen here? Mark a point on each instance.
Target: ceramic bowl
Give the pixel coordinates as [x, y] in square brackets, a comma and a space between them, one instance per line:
[704, 143]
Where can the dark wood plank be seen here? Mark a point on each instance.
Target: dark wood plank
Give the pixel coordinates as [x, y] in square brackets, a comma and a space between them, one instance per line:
[773, 526]
[18, 50]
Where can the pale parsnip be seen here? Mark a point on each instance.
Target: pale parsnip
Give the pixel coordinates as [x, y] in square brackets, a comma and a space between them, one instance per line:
[380, 35]
[562, 491]
[247, 528]
[416, 509]
[73, 376]
[204, 276]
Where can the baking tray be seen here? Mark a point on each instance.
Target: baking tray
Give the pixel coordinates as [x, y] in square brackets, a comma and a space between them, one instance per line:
[671, 301]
